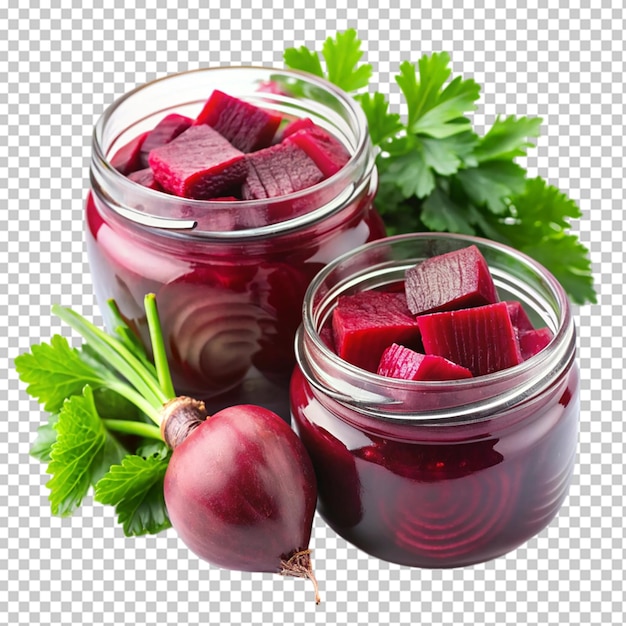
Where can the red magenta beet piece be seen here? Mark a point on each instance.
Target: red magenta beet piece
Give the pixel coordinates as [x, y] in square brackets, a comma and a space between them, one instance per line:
[328, 153]
[300, 123]
[482, 338]
[532, 341]
[145, 177]
[454, 280]
[128, 158]
[165, 131]
[365, 323]
[401, 362]
[278, 170]
[519, 317]
[245, 125]
[198, 164]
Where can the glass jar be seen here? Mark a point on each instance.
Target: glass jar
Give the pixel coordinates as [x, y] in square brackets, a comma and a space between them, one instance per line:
[438, 474]
[229, 276]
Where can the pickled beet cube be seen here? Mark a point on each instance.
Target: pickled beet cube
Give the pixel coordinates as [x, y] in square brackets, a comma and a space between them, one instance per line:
[519, 317]
[128, 158]
[245, 125]
[328, 153]
[165, 131]
[401, 362]
[366, 323]
[278, 170]
[532, 341]
[145, 177]
[454, 280]
[198, 164]
[300, 123]
[482, 339]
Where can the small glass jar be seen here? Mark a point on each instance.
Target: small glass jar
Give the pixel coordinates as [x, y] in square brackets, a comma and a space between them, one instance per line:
[438, 474]
[229, 276]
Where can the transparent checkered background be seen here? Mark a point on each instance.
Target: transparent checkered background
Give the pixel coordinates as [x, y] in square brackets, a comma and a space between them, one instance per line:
[60, 67]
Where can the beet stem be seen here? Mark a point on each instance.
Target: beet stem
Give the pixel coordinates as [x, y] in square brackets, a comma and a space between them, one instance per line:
[299, 565]
[179, 418]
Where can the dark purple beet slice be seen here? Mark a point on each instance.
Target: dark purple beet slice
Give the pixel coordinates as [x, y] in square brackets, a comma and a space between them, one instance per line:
[328, 153]
[366, 323]
[519, 317]
[165, 131]
[400, 362]
[482, 339]
[128, 158]
[145, 177]
[454, 280]
[198, 164]
[278, 170]
[245, 125]
[532, 341]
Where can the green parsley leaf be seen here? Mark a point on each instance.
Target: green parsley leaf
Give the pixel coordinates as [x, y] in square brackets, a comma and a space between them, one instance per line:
[342, 55]
[46, 437]
[82, 452]
[508, 138]
[135, 488]
[303, 59]
[54, 371]
[382, 124]
[492, 184]
[440, 213]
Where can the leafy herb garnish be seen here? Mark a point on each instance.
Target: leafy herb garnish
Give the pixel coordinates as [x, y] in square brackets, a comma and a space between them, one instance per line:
[104, 402]
[438, 174]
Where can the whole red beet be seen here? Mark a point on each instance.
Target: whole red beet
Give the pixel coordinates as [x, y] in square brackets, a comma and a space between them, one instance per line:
[240, 489]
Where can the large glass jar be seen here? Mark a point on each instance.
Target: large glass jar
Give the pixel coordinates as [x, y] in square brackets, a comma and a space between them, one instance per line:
[229, 276]
[438, 474]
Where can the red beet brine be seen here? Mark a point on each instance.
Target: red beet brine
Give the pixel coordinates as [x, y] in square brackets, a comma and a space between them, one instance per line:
[459, 447]
[208, 191]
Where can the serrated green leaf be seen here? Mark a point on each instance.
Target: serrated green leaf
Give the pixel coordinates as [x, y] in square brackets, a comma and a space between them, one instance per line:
[342, 55]
[410, 173]
[432, 109]
[492, 184]
[440, 213]
[446, 156]
[81, 450]
[569, 262]
[303, 59]
[46, 437]
[135, 488]
[55, 371]
[381, 123]
[508, 138]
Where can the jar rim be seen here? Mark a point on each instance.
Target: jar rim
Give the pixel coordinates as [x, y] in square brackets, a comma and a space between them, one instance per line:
[336, 190]
[377, 396]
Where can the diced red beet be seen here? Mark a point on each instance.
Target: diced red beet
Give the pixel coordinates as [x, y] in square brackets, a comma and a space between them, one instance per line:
[328, 153]
[278, 170]
[519, 317]
[145, 177]
[245, 125]
[401, 362]
[454, 280]
[198, 164]
[128, 158]
[165, 131]
[482, 338]
[300, 123]
[532, 341]
[366, 323]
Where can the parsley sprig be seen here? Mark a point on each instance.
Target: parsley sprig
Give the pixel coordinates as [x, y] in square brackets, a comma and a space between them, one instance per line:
[103, 430]
[438, 174]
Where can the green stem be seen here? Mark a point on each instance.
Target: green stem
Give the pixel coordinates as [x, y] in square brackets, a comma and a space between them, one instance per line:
[136, 399]
[133, 428]
[118, 356]
[158, 346]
